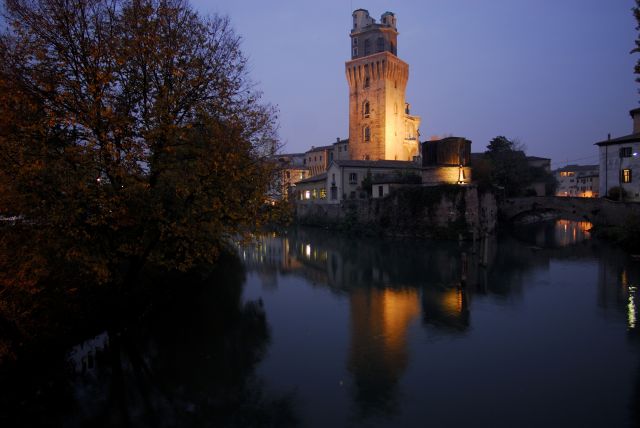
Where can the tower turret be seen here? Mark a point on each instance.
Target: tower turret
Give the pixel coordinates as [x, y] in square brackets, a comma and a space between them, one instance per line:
[380, 126]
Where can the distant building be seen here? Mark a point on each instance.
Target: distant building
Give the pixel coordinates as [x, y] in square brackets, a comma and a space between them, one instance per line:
[538, 162]
[380, 124]
[620, 162]
[539, 187]
[318, 159]
[446, 161]
[290, 169]
[341, 150]
[578, 181]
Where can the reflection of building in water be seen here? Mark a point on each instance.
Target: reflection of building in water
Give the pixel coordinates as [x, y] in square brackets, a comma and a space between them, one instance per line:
[268, 255]
[554, 234]
[445, 308]
[568, 232]
[378, 356]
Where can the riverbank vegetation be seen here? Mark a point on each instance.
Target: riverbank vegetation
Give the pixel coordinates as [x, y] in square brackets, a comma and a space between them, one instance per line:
[132, 140]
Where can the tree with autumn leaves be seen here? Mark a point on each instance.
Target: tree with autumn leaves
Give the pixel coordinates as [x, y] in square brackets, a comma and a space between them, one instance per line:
[130, 135]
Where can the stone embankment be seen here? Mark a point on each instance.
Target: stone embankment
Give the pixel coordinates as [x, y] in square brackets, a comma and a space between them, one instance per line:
[447, 211]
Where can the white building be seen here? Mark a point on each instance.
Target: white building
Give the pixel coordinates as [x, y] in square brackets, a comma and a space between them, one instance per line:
[620, 162]
[577, 181]
[356, 179]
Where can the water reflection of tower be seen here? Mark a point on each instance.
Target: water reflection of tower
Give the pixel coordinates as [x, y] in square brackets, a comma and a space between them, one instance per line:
[445, 308]
[378, 356]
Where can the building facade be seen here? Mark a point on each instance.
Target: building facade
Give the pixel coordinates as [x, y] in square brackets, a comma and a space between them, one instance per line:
[290, 169]
[317, 159]
[577, 181]
[446, 161]
[620, 163]
[352, 179]
[380, 124]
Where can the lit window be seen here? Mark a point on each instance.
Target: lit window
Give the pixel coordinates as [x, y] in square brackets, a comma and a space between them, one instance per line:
[307, 194]
[626, 176]
[353, 178]
[323, 193]
[314, 194]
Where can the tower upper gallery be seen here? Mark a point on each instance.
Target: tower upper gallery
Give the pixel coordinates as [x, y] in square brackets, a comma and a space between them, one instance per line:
[369, 37]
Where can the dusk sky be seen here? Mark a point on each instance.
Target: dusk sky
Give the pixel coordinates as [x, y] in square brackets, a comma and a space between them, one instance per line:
[555, 74]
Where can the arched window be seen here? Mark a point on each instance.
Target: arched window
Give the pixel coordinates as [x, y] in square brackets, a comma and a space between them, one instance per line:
[366, 109]
[367, 134]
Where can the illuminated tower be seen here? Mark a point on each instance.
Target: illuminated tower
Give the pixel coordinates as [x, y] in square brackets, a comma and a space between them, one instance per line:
[380, 126]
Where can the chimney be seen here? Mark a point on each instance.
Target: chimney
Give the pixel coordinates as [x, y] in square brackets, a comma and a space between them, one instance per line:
[337, 139]
[635, 115]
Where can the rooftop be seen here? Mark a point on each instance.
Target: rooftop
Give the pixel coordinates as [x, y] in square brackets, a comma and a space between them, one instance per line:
[535, 158]
[314, 179]
[320, 148]
[578, 168]
[631, 138]
[377, 164]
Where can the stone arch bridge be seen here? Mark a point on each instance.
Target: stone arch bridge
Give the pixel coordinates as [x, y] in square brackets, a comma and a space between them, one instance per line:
[598, 211]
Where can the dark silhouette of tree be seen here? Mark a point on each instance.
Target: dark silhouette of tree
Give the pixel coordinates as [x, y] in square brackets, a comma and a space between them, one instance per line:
[130, 134]
[636, 14]
[505, 164]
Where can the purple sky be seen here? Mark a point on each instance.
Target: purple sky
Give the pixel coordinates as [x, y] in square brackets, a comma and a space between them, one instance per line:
[555, 74]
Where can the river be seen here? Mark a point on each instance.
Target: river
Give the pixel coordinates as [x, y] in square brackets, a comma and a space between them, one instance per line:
[538, 327]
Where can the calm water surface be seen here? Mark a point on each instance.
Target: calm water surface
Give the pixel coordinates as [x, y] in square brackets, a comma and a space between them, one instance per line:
[538, 328]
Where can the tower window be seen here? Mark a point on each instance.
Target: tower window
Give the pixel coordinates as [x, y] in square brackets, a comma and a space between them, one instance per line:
[355, 51]
[380, 47]
[367, 134]
[367, 47]
[355, 42]
[367, 81]
[366, 109]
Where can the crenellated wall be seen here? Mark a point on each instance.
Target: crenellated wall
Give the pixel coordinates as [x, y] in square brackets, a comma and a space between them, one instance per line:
[381, 81]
